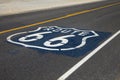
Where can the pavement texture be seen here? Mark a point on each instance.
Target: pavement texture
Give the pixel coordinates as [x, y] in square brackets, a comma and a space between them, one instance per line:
[8, 7]
[20, 63]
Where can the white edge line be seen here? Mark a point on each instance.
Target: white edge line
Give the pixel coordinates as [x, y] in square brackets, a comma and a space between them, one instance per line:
[81, 62]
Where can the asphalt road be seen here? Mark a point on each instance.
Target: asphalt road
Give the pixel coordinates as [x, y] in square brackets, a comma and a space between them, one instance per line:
[20, 63]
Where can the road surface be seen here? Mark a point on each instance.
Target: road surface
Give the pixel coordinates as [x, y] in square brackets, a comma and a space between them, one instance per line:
[22, 63]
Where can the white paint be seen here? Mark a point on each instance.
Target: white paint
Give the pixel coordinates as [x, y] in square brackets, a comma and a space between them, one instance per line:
[63, 40]
[36, 36]
[84, 40]
[81, 62]
[48, 44]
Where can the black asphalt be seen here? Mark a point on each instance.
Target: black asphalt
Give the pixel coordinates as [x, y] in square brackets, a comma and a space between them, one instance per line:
[20, 63]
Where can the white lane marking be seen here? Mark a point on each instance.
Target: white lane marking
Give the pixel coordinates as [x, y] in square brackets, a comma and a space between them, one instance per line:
[81, 62]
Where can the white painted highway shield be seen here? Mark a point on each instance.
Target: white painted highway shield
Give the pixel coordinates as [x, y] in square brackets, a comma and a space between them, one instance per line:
[67, 41]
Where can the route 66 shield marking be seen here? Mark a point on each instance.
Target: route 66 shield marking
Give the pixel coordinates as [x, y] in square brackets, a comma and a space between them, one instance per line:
[68, 41]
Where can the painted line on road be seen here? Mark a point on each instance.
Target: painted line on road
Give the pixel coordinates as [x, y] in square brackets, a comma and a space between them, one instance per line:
[85, 59]
[59, 18]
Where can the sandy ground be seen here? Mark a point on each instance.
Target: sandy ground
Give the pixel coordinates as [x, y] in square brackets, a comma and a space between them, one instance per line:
[8, 7]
